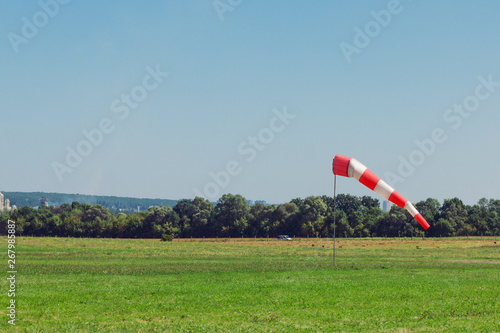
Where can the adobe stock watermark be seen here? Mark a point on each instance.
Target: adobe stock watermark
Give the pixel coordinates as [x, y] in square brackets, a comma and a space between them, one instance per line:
[121, 108]
[364, 36]
[31, 26]
[223, 6]
[454, 118]
[248, 150]
[12, 271]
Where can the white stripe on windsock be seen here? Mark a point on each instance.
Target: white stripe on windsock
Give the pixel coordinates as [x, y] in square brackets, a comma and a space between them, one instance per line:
[356, 169]
[383, 189]
[411, 209]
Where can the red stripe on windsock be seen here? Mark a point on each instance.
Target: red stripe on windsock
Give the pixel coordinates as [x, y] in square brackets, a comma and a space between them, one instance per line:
[422, 221]
[369, 179]
[340, 165]
[398, 199]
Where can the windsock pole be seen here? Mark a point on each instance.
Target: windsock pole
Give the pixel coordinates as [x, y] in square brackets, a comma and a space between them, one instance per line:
[334, 214]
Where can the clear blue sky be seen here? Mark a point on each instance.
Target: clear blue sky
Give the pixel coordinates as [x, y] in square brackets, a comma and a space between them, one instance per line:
[225, 78]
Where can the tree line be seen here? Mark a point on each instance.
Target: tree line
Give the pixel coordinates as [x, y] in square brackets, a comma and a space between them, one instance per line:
[233, 216]
[115, 204]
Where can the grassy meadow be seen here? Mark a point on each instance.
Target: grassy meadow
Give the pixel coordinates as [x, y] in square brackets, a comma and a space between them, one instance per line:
[254, 285]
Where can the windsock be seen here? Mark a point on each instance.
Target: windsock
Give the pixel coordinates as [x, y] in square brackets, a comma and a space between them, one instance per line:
[350, 167]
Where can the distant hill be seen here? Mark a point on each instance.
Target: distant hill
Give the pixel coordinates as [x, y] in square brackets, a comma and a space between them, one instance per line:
[32, 199]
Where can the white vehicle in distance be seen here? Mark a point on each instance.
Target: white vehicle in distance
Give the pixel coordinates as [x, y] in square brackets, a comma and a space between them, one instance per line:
[284, 237]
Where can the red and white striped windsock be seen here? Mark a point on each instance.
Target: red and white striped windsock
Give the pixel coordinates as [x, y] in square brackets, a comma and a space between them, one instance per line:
[350, 167]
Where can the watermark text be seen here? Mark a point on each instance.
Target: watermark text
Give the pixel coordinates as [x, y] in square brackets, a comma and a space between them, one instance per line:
[11, 264]
[30, 28]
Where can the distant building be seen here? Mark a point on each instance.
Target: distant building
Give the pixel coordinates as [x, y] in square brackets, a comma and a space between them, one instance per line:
[5, 204]
[44, 202]
[386, 206]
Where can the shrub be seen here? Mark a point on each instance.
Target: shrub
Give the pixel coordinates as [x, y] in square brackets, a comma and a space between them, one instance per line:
[167, 238]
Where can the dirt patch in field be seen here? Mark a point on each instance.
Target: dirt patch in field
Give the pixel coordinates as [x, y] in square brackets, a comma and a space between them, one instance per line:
[351, 243]
[417, 243]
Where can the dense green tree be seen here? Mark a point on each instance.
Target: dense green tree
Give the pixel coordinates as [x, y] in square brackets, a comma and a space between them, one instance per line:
[134, 225]
[4, 220]
[158, 221]
[313, 215]
[494, 223]
[26, 221]
[368, 202]
[494, 220]
[183, 210]
[371, 217]
[328, 201]
[347, 203]
[442, 228]
[118, 226]
[391, 224]
[356, 219]
[72, 226]
[298, 202]
[341, 226]
[494, 206]
[285, 218]
[234, 217]
[467, 230]
[96, 220]
[195, 217]
[260, 222]
[62, 209]
[94, 212]
[455, 212]
[231, 215]
[182, 207]
[43, 226]
[477, 216]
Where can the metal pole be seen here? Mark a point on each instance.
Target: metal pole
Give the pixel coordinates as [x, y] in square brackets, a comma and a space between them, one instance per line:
[334, 215]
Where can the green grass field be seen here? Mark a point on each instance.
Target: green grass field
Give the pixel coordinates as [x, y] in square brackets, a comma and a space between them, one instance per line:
[105, 285]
